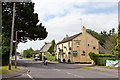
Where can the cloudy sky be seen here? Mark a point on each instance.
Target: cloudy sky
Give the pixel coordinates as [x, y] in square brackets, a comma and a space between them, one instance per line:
[61, 17]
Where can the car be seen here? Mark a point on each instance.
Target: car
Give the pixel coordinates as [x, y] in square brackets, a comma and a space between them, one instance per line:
[36, 58]
[20, 57]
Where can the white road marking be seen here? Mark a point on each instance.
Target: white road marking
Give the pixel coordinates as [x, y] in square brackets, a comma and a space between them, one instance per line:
[75, 75]
[30, 77]
[57, 69]
[68, 73]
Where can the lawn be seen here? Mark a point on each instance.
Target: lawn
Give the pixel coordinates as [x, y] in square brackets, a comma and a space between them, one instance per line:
[4, 69]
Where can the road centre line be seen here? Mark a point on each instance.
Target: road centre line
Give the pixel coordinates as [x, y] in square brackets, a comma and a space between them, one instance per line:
[75, 75]
[30, 77]
[57, 69]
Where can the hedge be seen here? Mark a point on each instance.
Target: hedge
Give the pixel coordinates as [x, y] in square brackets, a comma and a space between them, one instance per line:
[100, 59]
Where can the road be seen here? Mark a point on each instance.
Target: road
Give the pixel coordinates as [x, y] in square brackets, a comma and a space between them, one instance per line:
[37, 70]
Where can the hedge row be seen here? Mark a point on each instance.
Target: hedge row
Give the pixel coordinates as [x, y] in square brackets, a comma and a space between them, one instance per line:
[100, 59]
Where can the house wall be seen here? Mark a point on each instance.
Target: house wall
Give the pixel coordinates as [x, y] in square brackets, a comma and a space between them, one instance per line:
[64, 54]
[82, 43]
[85, 40]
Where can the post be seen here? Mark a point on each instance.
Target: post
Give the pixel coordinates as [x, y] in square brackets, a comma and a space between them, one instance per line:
[11, 42]
[16, 51]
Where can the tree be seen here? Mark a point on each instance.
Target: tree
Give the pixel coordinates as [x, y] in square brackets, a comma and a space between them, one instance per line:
[116, 50]
[25, 20]
[51, 48]
[28, 53]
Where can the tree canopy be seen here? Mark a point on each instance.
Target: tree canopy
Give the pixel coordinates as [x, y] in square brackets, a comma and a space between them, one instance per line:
[25, 20]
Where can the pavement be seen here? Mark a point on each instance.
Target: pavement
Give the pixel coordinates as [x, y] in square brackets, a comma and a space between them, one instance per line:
[15, 74]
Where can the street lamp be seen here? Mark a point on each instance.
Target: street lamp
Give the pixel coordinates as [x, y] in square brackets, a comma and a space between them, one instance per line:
[16, 49]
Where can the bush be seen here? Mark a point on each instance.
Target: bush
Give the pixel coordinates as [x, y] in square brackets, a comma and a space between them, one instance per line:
[51, 48]
[93, 56]
[50, 57]
[100, 59]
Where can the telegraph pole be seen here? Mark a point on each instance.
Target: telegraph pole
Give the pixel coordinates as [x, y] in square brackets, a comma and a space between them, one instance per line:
[12, 34]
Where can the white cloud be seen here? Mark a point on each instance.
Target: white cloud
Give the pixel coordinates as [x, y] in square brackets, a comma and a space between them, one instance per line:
[67, 16]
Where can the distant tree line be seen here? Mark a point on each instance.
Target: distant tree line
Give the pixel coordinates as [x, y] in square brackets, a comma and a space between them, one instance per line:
[108, 40]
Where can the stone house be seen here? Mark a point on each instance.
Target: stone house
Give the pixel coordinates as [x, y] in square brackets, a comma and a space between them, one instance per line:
[77, 47]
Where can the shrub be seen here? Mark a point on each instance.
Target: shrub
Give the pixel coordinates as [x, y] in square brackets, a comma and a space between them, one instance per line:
[51, 48]
[100, 59]
[93, 56]
[50, 57]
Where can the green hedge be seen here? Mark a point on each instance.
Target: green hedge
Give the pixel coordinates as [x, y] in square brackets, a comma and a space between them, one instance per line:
[100, 59]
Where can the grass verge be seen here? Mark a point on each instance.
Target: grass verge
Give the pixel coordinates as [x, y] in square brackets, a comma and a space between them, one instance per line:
[5, 70]
[88, 68]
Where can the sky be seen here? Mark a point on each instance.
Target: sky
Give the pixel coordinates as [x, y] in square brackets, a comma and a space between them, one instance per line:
[61, 17]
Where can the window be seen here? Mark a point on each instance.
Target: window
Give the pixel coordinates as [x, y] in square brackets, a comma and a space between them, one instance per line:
[83, 54]
[83, 51]
[88, 44]
[94, 47]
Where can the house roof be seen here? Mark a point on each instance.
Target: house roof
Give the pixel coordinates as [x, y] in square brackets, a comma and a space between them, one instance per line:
[103, 51]
[69, 38]
[45, 47]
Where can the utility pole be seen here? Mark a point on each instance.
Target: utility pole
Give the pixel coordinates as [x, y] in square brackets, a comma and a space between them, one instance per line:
[12, 34]
[16, 49]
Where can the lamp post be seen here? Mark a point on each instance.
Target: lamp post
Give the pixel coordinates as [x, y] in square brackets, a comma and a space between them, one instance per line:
[16, 49]
[11, 42]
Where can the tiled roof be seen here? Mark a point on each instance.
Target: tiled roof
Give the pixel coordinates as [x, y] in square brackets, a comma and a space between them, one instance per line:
[45, 47]
[69, 38]
[103, 50]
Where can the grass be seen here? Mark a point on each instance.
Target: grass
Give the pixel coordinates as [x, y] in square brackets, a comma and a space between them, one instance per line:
[30, 59]
[39, 61]
[4, 69]
[88, 68]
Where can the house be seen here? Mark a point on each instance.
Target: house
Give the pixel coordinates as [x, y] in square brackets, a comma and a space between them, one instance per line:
[44, 48]
[77, 47]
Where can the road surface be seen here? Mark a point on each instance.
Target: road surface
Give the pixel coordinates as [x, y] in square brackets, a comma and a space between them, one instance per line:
[38, 71]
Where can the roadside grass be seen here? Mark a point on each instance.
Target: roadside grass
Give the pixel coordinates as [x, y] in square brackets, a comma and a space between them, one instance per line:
[5, 70]
[52, 63]
[29, 58]
[88, 68]
[39, 61]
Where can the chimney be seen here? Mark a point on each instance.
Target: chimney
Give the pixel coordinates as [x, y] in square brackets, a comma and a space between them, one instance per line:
[83, 29]
[66, 36]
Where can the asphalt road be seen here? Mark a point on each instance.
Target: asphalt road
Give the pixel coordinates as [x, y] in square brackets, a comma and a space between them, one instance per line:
[39, 71]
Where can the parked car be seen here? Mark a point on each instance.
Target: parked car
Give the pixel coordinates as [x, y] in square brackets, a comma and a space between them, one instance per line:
[37, 57]
[20, 57]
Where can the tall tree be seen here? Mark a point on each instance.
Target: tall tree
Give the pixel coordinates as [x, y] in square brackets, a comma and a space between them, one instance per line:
[25, 20]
